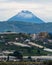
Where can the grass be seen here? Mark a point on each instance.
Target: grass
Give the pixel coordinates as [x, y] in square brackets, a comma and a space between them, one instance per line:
[33, 51]
[20, 63]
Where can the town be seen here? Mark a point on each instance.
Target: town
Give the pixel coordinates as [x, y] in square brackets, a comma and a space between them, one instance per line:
[27, 47]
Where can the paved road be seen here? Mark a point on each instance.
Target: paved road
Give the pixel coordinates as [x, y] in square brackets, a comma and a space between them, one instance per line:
[47, 49]
[40, 57]
[33, 57]
[32, 44]
[21, 44]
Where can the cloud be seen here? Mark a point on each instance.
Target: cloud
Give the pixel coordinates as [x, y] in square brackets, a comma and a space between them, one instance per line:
[41, 8]
[38, 1]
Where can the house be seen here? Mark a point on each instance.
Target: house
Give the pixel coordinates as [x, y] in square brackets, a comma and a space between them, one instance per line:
[34, 36]
[7, 52]
[50, 40]
[26, 41]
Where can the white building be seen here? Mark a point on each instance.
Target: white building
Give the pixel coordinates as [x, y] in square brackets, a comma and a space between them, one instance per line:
[34, 36]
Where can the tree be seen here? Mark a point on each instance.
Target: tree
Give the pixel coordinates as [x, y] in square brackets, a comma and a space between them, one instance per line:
[29, 58]
[47, 62]
[38, 51]
[16, 54]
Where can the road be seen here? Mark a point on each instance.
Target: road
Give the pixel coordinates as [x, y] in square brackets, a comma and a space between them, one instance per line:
[32, 44]
[33, 57]
[45, 49]
[21, 44]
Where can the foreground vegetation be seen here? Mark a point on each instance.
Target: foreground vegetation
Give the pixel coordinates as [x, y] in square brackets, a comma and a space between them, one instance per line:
[20, 63]
[32, 51]
[27, 63]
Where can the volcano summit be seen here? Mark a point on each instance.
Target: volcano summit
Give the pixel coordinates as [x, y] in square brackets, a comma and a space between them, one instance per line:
[26, 16]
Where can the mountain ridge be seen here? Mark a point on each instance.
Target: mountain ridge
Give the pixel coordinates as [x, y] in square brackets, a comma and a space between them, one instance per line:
[25, 27]
[26, 16]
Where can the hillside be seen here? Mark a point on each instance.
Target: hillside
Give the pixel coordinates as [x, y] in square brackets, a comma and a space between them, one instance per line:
[16, 41]
[27, 27]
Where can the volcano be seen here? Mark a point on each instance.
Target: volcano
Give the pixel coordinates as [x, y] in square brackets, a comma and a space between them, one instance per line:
[26, 16]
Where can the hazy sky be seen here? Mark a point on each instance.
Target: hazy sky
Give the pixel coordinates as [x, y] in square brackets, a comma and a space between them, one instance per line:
[40, 8]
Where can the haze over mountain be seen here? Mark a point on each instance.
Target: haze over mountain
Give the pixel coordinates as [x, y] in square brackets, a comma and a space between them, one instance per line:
[25, 27]
[26, 16]
[25, 22]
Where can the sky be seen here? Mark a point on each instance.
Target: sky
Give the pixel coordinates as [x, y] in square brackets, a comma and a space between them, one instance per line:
[40, 8]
